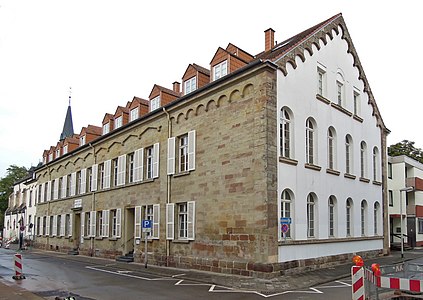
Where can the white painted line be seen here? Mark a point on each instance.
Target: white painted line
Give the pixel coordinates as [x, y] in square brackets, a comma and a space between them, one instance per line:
[344, 283]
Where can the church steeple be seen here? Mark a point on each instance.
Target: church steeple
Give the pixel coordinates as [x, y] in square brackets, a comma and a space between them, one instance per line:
[68, 126]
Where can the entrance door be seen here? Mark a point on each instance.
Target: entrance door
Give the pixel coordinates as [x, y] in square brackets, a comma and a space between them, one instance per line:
[77, 230]
[411, 231]
[129, 230]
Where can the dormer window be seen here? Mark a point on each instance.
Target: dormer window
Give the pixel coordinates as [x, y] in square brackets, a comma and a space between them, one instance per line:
[106, 128]
[220, 70]
[155, 103]
[57, 153]
[190, 85]
[82, 140]
[65, 149]
[50, 157]
[134, 114]
[118, 122]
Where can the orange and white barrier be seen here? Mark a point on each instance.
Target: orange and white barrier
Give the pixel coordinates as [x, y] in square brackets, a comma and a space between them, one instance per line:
[357, 273]
[18, 267]
[394, 283]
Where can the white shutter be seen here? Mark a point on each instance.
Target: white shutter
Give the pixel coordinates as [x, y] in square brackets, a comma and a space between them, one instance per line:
[94, 174]
[92, 223]
[170, 221]
[191, 150]
[118, 222]
[107, 170]
[42, 193]
[138, 164]
[48, 225]
[106, 216]
[137, 222]
[64, 187]
[121, 170]
[156, 221]
[73, 184]
[54, 229]
[191, 220]
[83, 181]
[56, 189]
[171, 156]
[70, 225]
[156, 158]
[82, 226]
[62, 224]
[41, 226]
[49, 191]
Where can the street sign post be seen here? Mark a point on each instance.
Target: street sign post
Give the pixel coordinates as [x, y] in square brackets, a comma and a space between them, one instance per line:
[146, 227]
[285, 221]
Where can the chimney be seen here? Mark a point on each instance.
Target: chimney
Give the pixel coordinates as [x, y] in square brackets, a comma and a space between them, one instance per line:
[176, 87]
[269, 39]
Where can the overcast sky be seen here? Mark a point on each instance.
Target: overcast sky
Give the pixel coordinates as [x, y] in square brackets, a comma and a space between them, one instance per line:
[110, 51]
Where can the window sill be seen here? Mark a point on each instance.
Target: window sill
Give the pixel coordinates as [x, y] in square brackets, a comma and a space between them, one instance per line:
[349, 176]
[288, 161]
[181, 241]
[341, 109]
[98, 238]
[323, 99]
[366, 180]
[86, 238]
[357, 118]
[181, 174]
[333, 172]
[375, 182]
[314, 240]
[312, 167]
[113, 239]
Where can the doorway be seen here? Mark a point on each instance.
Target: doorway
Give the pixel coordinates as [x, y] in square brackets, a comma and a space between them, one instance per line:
[129, 230]
[411, 231]
[77, 230]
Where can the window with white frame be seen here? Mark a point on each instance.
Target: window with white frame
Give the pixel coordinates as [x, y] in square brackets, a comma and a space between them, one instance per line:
[115, 171]
[115, 222]
[57, 153]
[376, 210]
[420, 225]
[363, 217]
[149, 162]
[180, 219]
[311, 215]
[331, 148]
[340, 89]
[348, 154]
[59, 225]
[99, 224]
[190, 85]
[391, 198]
[181, 153]
[87, 224]
[155, 103]
[363, 159]
[118, 122]
[68, 225]
[131, 167]
[286, 208]
[50, 157]
[356, 99]
[321, 81]
[286, 133]
[82, 140]
[375, 164]
[220, 70]
[348, 215]
[65, 149]
[332, 216]
[311, 142]
[106, 128]
[101, 175]
[134, 114]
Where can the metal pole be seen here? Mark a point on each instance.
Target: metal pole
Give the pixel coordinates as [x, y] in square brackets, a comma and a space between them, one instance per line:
[146, 255]
[402, 239]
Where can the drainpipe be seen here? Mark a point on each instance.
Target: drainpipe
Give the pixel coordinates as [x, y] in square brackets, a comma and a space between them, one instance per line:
[92, 242]
[168, 178]
[48, 208]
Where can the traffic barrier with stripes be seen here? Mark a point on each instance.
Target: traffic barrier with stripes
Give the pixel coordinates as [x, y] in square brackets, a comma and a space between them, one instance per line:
[394, 283]
[357, 273]
[18, 267]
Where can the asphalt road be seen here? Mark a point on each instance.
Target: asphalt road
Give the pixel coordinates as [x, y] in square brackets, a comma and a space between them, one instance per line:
[56, 275]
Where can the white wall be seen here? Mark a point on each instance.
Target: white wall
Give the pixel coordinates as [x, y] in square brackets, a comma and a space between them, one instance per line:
[298, 91]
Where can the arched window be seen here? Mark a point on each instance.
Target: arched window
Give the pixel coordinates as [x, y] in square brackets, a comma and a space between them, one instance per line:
[363, 217]
[340, 89]
[375, 164]
[349, 211]
[311, 216]
[311, 141]
[286, 208]
[348, 154]
[332, 216]
[363, 159]
[286, 133]
[331, 149]
[376, 218]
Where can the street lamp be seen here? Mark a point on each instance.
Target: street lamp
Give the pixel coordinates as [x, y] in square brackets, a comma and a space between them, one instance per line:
[407, 189]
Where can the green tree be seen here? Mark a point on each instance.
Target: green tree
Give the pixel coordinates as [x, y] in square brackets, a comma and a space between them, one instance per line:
[13, 174]
[407, 148]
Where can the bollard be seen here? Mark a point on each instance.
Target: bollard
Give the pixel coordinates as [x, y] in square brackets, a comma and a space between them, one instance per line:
[357, 276]
[18, 267]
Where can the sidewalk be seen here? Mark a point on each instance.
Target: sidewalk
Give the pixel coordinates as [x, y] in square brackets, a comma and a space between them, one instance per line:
[287, 282]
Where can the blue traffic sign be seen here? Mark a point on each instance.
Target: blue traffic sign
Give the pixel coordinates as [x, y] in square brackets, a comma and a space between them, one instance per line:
[286, 221]
[146, 223]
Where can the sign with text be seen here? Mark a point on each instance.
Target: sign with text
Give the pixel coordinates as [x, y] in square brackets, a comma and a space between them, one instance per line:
[146, 225]
[286, 221]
